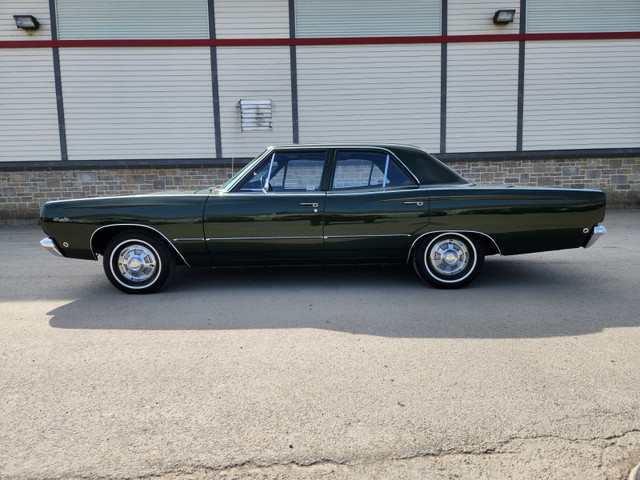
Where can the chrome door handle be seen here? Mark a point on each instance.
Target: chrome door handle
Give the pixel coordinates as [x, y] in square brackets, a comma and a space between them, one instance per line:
[314, 205]
[419, 204]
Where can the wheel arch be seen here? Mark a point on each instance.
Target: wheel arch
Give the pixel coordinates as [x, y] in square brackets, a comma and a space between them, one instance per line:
[490, 245]
[101, 236]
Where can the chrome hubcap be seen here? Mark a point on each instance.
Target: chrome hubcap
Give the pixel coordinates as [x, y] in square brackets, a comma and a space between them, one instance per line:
[449, 257]
[137, 263]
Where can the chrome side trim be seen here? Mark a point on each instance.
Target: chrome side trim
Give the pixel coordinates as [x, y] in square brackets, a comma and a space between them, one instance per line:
[368, 236]
[263, 238]
[137, 225]
[201, 239]
[450, 231]
[597, 232]
[48, 244]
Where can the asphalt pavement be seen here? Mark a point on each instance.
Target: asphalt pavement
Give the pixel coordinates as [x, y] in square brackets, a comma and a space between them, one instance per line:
[533, 371]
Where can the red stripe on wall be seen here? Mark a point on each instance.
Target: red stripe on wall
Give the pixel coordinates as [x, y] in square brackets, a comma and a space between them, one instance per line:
[271, 42]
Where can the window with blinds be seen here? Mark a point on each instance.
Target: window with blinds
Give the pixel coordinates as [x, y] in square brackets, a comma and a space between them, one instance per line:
[549, 16]
[368, 18]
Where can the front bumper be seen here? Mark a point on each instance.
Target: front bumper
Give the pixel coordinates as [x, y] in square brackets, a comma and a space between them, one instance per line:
[48, 244]
[596, 233]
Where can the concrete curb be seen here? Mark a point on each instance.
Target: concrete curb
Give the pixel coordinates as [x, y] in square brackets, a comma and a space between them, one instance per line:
[635, 473]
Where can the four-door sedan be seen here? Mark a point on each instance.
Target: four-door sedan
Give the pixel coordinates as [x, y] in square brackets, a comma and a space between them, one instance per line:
[324, 204]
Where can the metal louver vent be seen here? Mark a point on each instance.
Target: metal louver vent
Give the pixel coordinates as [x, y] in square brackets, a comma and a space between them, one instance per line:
[255, 115]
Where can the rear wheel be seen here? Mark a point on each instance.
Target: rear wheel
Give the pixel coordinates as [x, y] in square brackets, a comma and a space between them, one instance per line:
[448, 260]
[137, 262]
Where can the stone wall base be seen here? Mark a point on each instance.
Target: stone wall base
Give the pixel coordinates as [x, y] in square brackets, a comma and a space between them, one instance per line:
[24, 191]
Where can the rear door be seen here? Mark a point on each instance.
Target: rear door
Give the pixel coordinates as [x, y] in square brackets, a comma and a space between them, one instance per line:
[373, 206]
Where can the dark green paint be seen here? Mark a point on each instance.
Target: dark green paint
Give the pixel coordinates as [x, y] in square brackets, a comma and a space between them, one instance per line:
[215, 227]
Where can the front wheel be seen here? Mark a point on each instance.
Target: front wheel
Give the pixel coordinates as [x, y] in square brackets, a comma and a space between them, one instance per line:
[137, 262]
[448, 260]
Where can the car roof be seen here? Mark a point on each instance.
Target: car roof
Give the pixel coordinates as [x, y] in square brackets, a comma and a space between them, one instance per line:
[425, 168]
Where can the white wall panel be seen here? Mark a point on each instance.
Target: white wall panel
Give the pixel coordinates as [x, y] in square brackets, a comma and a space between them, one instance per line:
[102, 19]
[582, 94]
[367, 18]
[378, 93]
[252, 18]
[482, 97]
[254, 73]
[476, 17]
[37, 8]
[28, 113]
[138, 103]
[544, 16]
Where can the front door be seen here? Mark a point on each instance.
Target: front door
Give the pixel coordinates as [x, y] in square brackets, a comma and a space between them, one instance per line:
[274, 215]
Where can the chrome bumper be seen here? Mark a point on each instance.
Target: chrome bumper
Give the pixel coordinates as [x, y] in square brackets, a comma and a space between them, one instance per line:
[50, 245]
[597, 232]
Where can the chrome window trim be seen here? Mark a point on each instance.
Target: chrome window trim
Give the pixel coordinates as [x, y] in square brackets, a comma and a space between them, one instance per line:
[449, 231]
[371, 192]
[302, 147]
[138, 225]
[261, 194]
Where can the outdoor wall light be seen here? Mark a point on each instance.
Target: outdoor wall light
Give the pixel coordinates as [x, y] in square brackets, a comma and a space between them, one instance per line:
[502, 17]
[26, 22]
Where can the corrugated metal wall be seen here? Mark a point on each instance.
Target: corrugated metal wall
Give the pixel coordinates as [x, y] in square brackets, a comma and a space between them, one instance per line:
[545, 16]
[96, 19]
[28, 113]
[148, 103]
[582, 94]
[482, 97]
[380, 18]
[131, 103]
[378, 93]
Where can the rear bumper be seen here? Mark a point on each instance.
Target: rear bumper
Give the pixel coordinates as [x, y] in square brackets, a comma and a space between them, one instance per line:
[596, 233]
[48, 244]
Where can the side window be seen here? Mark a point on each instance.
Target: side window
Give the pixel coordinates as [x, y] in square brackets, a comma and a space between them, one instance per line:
[287, 172]
[367, 170]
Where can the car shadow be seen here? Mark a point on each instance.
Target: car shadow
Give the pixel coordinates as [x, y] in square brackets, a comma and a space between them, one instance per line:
[523, 297]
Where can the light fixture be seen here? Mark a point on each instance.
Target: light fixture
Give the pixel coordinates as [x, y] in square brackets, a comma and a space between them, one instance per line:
[26, 22]
[502, 17]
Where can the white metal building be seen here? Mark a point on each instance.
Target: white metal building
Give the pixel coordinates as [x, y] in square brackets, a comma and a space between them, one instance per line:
[152, 83]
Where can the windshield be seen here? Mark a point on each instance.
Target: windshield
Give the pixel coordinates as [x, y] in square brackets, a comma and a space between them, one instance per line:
[229, 183]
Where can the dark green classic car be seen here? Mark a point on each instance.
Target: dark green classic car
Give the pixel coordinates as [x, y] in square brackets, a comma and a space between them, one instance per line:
[324, 204]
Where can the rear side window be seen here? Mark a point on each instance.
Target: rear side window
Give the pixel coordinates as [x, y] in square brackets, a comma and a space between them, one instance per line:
[367, 170]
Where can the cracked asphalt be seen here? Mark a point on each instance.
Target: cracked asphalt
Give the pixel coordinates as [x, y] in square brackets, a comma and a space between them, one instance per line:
[315, 373]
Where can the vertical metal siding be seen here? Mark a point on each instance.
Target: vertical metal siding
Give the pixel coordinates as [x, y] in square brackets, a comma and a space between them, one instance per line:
[101, 19]
[476, 18]
[252, 19]
[482, 97]
[582, 16]
[28, 113]
[582, 95]
[138, 103]
[377, 93]
[378, 18]
[254, 73]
